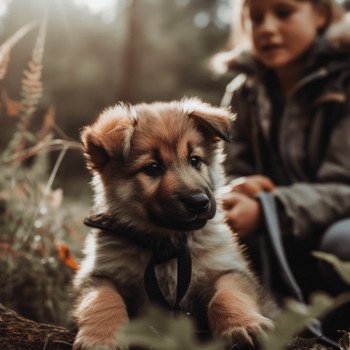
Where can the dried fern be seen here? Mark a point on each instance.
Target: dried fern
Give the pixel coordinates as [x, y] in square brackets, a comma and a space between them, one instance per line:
[48, 123]
[32, 218]
[31, 86]
[44, 146]
[6, 47]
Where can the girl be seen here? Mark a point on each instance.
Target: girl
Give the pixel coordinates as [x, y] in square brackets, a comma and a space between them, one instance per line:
[292, 132]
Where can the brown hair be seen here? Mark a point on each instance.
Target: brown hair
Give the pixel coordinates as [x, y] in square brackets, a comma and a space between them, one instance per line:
[240, 40]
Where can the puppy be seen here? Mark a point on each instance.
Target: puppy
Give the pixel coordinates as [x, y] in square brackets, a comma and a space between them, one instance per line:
[156, 169]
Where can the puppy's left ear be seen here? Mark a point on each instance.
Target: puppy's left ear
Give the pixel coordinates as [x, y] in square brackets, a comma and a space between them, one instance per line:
[214, 121]
[109, 137]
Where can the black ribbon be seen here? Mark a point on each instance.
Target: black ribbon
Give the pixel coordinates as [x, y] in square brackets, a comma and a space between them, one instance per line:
[184, 272]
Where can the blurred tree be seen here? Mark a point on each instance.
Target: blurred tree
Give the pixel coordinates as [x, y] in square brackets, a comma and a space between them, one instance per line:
[151, 50]
[129, 62]
[176, 38]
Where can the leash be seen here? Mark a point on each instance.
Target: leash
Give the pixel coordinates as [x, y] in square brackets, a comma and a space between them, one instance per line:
[163, 250]
[269, 210]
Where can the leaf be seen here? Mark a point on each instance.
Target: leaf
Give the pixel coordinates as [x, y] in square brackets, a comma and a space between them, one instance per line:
[158, 330]
[342, 267]
[66, 256]
[12, 107]
[294, 319]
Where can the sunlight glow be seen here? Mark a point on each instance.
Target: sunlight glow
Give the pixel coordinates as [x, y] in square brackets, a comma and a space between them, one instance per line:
[105, 8]
[3, 7]
[201, 19]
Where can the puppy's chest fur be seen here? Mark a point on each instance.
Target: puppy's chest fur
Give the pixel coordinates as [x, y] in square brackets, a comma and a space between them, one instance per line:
[212, 250]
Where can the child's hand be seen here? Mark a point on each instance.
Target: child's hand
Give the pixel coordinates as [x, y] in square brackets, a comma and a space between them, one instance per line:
[242, 213]
[252, 185]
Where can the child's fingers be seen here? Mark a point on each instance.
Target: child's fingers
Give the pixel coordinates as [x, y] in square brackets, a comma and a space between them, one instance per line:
[249, 188]
[229, 200]
[252, 185]
[264, 182]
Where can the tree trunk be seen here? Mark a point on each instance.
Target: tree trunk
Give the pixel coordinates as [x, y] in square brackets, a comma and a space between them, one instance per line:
[17, 333]
[130, 56]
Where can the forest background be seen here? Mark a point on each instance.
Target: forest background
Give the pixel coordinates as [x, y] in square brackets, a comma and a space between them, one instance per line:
[100, 52]
[61, 63]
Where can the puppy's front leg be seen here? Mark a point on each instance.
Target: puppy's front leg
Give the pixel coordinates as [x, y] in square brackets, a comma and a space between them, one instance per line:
[233, 312]
[99, 315]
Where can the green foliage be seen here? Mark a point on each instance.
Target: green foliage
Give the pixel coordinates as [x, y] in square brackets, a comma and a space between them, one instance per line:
[294, 318]
[343, 268]
[158, 331]
[32, 226]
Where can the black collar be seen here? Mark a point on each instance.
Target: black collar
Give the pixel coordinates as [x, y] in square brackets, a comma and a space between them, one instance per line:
[163, 248]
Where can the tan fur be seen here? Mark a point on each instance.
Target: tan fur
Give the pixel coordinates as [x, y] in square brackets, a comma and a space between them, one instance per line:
[101, 313]
[119, 146]
[233, 312]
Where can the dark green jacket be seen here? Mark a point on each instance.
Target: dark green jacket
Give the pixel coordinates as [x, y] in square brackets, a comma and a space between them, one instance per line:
[309, 158]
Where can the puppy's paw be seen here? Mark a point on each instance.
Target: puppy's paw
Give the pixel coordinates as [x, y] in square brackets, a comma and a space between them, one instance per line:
[235, 317]
[247, 337]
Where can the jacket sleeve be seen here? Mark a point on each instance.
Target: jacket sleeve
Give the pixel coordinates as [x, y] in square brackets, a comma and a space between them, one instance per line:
[239, 159]
[312, 207]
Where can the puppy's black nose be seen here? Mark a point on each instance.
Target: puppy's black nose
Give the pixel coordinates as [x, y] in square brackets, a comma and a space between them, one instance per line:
[196, 203]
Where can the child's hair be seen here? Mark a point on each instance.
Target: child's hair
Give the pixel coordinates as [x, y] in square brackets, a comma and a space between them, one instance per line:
[240, 38]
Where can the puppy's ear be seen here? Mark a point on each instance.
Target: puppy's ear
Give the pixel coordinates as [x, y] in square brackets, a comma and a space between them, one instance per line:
[214, 121]
[109, 137]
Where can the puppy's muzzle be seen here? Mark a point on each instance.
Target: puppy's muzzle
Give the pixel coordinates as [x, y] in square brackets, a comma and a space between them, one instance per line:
[185, 211]
[197, 203]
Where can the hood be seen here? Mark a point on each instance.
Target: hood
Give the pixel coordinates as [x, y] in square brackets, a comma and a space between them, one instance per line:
[338, 34]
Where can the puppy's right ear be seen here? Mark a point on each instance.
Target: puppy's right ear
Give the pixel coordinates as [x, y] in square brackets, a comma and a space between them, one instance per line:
[109, 137]
[214, 121]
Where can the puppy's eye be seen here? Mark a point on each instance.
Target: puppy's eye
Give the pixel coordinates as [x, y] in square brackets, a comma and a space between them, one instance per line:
[196, 162]
[153, 169]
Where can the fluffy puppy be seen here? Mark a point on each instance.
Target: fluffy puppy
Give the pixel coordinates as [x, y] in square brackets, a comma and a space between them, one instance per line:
[156, 169]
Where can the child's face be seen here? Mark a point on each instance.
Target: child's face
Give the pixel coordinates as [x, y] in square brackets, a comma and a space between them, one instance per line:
[283, 29]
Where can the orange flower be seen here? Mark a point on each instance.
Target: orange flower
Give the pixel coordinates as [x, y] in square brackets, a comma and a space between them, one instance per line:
[66, 256]
[12, 106]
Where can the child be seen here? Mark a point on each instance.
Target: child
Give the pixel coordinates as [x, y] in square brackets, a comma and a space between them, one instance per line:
[292, 132]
